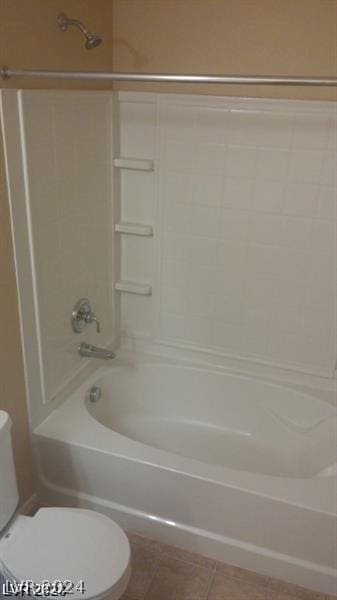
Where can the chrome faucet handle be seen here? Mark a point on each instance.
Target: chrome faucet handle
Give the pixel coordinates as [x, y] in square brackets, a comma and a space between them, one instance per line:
[91, 318]
[82, 314]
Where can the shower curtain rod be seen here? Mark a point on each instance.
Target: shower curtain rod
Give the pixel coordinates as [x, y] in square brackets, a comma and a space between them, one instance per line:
[8, 73]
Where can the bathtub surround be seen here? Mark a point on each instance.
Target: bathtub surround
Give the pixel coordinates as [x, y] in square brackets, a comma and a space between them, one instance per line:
[221, 246]
[67, 231]
[70, 212]
[225, 241]
[242, 201]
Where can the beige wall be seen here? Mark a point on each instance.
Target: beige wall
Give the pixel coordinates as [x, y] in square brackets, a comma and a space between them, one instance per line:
[285, 37]
[29, 38]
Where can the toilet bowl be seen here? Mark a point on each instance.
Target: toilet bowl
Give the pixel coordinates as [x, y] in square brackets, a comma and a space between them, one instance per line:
[82, 547]
[79, 553]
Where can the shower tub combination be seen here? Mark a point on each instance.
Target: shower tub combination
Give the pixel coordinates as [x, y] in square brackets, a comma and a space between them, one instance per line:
[233, 467]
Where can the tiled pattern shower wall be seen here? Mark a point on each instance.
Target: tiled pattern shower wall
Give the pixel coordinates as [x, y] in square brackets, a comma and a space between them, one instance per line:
[67, 145]
[243, 203]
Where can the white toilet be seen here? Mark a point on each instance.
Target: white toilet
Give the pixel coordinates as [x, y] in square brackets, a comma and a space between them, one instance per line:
[65, 544]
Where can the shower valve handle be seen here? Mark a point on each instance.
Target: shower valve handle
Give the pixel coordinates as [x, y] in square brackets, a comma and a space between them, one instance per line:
[82, 314]
[91, 318]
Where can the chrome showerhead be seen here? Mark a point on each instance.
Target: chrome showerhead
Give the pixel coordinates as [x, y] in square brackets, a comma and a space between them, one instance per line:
[92, 40]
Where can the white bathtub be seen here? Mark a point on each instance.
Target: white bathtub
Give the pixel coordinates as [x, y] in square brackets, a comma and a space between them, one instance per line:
[228, 466]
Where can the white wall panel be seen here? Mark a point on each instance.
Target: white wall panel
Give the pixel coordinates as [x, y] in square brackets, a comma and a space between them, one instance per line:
[245, 226]
[67, 148]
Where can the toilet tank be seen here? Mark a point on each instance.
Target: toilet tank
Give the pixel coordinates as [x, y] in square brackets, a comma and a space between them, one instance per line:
[8, 487]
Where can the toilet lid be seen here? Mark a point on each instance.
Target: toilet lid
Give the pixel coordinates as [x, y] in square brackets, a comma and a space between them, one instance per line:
[70, 544]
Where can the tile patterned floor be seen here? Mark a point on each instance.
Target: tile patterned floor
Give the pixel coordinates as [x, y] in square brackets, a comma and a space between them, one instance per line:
[162, 572]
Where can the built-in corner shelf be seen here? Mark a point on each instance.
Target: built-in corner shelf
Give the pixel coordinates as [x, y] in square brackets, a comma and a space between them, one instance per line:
[134, 229]
[133, 287]
[137, 164]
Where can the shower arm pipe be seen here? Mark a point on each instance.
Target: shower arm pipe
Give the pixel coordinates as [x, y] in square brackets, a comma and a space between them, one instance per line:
[8, 73]
[74, 22]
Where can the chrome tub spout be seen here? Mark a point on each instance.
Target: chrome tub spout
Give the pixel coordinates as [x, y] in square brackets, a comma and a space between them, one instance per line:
[90, 351]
